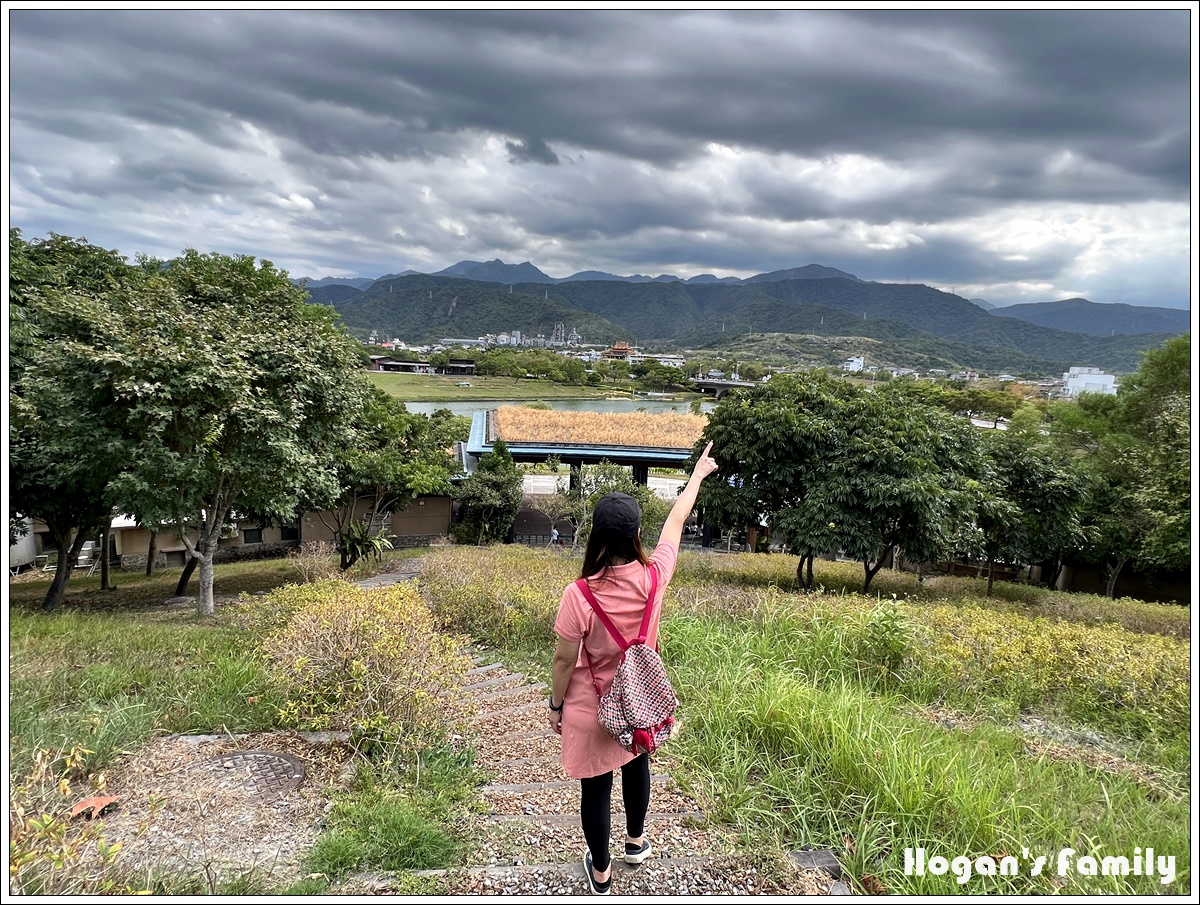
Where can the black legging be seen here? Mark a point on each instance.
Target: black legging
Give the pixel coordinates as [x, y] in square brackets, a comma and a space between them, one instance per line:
[595, 806]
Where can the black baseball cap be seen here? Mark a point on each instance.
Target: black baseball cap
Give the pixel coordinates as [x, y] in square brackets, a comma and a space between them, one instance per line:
[618, 512]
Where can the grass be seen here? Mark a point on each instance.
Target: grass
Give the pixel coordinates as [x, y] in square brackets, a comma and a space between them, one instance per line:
[436, 388]
[869, 724]
[398, 818]
[817, 719]
[110, 669]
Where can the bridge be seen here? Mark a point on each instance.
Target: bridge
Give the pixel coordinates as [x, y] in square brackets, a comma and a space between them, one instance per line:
[721, 388]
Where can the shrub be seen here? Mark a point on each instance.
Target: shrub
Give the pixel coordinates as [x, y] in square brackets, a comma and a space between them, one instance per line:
[1104, 674]
[499, 595]
[369, 661]
[314, 560]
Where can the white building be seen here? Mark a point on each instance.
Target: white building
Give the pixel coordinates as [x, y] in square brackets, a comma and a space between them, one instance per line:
[1088, 380]
[853, 364]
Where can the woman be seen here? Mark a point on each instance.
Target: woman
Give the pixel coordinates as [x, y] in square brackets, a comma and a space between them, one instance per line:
[616, 569]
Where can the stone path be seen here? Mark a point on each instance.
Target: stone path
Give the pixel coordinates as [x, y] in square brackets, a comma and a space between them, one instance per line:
[532, 842]
[528, 818]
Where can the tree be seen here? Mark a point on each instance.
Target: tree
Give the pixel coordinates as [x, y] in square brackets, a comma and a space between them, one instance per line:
[239, 395]
[490, 498]
[66, 444]
[1134, 451]
[575, 498]
[836, 467]
[1031, 510]
[391, 456]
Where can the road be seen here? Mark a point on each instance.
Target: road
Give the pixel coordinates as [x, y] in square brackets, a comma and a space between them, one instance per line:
[667, 488]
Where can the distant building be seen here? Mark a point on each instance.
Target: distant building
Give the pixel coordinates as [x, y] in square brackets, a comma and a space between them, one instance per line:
[853, 364]
[1088, 380]
[617, 352]
[574, 338]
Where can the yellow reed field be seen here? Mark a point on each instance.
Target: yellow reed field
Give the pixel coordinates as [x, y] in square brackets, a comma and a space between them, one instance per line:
[675, 431]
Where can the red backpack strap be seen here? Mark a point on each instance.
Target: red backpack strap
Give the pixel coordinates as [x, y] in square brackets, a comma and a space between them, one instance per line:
[595, 604]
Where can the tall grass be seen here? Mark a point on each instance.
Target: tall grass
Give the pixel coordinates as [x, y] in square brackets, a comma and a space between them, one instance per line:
[106, 681]
[800, 726]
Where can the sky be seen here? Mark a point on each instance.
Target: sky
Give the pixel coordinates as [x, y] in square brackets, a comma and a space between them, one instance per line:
[1011, 155]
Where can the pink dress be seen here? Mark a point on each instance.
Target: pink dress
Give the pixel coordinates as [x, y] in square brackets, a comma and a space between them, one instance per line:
[587, 750]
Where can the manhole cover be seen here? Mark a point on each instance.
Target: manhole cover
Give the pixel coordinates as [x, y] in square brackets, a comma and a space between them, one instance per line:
[263, 775]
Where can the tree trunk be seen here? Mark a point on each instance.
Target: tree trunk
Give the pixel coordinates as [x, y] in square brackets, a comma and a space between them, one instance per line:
[1113, 573]
[152, 554]
[185, 577]
[104, 535]
[800, 579]
[991, 573]
[70, 543]
[811, 556]
[204, 604]
[1053, 582]
[871, 570]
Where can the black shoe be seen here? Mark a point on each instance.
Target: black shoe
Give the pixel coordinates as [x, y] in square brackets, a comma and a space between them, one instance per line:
[597, 888]
[636, 854]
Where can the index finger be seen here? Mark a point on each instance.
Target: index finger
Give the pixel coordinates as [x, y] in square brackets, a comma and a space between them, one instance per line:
[707, 450]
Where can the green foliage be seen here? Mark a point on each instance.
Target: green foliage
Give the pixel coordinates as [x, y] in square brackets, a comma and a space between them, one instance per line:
[359, 543]
[67, 443]
[385, 833]
[576, 496]
[838, 468]
[885, 641]
[489, 499]
[365, 660]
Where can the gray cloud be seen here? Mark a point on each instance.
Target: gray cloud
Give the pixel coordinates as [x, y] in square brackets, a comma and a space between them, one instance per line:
[699, 141]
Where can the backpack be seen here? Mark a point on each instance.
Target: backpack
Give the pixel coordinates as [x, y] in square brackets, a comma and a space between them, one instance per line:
[638, 710]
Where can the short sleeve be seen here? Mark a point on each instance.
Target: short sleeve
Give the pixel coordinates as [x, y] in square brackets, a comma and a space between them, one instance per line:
[663, 558]
[571, 624]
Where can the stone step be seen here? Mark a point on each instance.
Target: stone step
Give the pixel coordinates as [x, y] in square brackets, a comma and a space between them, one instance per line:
[514, 839]
[657, 779]
[573, 819]
[508, 678]
[563, 798]
[511, 713]
[519, 691]
[478, 670]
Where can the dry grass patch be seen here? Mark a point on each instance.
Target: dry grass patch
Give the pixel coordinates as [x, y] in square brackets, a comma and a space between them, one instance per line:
[674, 431]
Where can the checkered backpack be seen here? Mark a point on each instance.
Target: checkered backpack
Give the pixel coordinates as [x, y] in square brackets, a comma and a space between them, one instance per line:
[639, 708]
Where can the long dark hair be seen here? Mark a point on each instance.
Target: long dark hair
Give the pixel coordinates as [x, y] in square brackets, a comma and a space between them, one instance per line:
[607, 547]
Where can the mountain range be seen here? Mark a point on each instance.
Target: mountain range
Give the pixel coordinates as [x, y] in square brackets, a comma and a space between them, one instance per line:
[902, 323]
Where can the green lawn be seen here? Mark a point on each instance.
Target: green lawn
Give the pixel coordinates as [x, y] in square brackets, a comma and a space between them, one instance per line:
[435, 388]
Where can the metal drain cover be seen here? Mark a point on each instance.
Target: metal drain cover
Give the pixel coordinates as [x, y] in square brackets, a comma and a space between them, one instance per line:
[262, 775]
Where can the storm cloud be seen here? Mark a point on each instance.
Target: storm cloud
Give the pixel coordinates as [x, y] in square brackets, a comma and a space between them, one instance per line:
[1014, 155]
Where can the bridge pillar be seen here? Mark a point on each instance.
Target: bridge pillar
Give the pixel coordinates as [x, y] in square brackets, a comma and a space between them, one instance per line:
[641, 474]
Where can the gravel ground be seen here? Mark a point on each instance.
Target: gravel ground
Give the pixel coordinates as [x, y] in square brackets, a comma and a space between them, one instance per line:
[725, 877]
[181, 811]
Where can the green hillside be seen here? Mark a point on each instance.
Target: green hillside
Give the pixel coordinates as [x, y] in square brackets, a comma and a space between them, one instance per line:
[428, 308]
[902, 324]
[646, 310]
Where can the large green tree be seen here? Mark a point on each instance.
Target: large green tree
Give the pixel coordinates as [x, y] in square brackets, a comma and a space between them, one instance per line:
[835, 467]
[238, 396]
[390, 457]
[1030, 512]
[66, 442]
